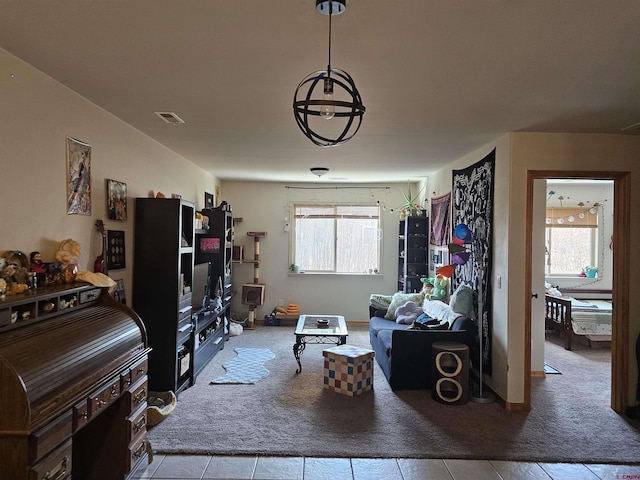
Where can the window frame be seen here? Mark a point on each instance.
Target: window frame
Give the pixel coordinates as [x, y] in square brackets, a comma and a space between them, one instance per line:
[294, 206]
[596, 246]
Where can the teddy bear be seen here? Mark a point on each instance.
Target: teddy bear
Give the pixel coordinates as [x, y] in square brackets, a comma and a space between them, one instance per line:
[68, 252]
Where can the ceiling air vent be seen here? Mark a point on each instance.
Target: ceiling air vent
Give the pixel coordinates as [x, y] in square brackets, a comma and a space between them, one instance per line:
[632, 129]
[169, 117]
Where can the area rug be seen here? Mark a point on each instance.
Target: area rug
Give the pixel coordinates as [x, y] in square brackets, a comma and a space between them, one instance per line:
[246, 368]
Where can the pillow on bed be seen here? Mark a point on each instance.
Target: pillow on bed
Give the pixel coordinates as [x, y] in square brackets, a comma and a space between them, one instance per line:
[462, 301]
[400, 299]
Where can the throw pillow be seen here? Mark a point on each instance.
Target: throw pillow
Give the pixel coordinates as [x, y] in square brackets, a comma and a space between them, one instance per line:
[400, 299]
[462, 301]
[408, 312]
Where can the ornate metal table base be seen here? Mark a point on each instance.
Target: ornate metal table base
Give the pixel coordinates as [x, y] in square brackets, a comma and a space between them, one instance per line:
[301, 343]
[318, 329]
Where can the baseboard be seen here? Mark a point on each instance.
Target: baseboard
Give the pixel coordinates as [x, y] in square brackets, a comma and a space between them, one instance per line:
[538, 374]
[358, 323]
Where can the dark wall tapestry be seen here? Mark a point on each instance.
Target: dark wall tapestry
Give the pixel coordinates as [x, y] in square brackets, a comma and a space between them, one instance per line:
[440, 207]
[473, 205]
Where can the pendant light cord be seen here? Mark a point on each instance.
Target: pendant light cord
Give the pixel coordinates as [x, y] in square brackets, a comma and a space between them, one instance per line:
[330, 15]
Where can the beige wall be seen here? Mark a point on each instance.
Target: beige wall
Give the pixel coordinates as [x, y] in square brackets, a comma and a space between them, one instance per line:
[37, 114]
[265, 207]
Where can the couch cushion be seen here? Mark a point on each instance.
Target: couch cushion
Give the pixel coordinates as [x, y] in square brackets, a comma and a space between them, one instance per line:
[376, 324]
[400, 299]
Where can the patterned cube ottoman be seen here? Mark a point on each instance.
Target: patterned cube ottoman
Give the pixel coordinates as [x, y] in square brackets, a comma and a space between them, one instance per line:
[348, 370]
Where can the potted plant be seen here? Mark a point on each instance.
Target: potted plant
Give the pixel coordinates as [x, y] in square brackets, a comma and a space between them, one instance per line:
[590, 272]
[293, 268]
[411, 207]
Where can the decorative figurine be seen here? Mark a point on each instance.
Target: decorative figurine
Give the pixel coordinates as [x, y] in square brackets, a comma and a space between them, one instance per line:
[36, 263]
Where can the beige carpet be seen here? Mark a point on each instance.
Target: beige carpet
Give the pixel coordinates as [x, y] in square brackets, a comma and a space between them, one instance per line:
[289, 414]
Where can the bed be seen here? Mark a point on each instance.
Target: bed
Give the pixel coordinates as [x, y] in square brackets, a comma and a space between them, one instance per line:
[569, 316]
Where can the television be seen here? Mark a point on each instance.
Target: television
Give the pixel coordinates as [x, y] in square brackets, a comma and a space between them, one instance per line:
[201, 291]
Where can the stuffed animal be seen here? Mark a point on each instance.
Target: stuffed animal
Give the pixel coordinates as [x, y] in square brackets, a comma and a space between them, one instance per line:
[68, 252]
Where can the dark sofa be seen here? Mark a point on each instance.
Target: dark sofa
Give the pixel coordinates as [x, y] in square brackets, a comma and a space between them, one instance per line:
[405, 355]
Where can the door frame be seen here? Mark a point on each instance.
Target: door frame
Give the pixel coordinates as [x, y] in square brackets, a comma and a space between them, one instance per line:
[620, 282]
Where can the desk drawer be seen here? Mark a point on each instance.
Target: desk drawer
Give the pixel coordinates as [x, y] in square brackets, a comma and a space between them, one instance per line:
[55, 466]
[139, 370]
[105, 396]
[53, 434]
[80, 414]
[136, 424]
[137, 394]
[137, 451]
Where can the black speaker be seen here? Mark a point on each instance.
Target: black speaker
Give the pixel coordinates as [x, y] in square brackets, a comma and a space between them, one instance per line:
[450, 373]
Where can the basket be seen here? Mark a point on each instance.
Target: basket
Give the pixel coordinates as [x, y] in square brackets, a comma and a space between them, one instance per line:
[155, 414]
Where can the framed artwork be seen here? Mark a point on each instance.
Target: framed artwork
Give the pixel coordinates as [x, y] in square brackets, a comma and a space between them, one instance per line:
[78, 177]
[116, 258]
[209, 200]
[116, 200]
[118, 292]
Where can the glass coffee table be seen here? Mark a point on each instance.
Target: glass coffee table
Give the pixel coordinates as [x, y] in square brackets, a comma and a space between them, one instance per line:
[318, 329]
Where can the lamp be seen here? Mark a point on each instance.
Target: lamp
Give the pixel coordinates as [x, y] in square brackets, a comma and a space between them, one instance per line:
[319, 171]
[328, 94]
[460, 255]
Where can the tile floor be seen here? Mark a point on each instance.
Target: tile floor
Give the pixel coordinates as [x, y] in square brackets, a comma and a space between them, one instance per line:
[191, 467]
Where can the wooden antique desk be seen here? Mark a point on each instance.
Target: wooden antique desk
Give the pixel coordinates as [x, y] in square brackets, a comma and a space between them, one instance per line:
[73, 385]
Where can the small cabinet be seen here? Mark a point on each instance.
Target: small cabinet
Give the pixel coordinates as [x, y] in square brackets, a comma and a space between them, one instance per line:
[413, 245]
[162, 288]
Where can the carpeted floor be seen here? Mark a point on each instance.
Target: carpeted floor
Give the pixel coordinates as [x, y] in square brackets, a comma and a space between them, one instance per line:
[289, 414]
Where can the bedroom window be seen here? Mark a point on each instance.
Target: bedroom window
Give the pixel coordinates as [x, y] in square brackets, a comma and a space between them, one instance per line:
[571, 241]
[336, 238]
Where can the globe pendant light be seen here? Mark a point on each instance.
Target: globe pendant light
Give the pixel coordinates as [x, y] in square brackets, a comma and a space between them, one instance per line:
[329, 94]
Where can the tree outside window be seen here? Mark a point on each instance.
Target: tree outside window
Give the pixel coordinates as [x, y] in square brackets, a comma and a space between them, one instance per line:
[336, 238]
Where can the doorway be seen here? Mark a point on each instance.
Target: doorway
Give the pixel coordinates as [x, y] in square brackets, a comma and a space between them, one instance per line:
[620, 281]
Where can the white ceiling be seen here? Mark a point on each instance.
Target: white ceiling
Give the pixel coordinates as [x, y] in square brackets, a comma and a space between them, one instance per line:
[439, 78]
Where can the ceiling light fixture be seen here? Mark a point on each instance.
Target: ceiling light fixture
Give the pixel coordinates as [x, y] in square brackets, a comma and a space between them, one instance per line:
[336, 96]
[319, 171]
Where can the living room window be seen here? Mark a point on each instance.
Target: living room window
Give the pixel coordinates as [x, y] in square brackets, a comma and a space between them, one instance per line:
[571, 240]
[336, 238]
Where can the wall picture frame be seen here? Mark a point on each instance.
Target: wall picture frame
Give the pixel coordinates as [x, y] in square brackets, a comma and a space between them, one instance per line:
[119, 293]
[78, 177]
[116, 200]
[209, 200]
[116, 252]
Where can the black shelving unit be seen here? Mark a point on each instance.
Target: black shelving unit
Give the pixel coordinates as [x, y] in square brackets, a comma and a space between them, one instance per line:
[162, 283]
[413, 245]
[213, 262]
